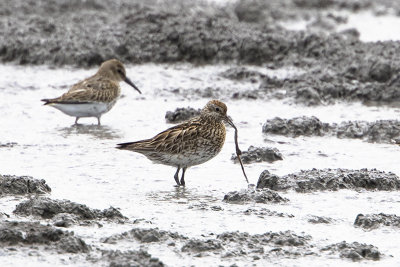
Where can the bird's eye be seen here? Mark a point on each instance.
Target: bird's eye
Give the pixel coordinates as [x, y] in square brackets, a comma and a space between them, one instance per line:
[120, 71]
[217, 109]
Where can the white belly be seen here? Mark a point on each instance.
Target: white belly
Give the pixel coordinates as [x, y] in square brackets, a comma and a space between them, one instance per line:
[183, 160]
[95, 109]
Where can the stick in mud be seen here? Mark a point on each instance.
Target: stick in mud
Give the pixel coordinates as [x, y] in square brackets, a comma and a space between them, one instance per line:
[238, 152]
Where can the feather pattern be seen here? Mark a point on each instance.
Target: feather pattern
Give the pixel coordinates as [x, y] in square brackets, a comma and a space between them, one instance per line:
[187, 144]
[95, 95]
[93, 89]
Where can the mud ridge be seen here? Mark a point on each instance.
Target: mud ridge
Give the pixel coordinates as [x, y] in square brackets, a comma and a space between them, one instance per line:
[65, 213]
[25, 234]
[374, 221]
[258, 154]
[257, 196]
[330, 179]
[21, 185]
[381, 131]
[181, 114]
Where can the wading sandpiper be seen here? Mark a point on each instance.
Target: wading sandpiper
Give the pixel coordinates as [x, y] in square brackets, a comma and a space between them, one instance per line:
[188, 144]
[95, 95]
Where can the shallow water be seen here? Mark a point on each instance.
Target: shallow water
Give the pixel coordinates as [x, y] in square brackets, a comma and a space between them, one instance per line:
[80, 163]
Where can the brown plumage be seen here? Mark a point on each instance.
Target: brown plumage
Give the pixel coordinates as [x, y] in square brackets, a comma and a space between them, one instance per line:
[187, 144]
[95, 95]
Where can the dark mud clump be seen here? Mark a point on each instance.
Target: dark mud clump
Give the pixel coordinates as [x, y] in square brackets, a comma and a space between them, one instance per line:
[298, 126]
[330, 179]
[238, 244]
[263, 212]
[196, 245]
[117, 258]
[181, 114]
[382, 131]
[65, 212]
[258, 196]
[258, 154]
[354, 251]
[8, 144]
[243, 74]
[281, 244]
[373, 221]
[28, 233]
[319, 219]
[20, 185]
[143, 236]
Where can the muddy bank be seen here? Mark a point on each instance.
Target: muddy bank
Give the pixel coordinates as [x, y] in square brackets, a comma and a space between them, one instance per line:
[298, 126]
[26, 234]
[319, 219]
[382, 131]
[354, 251]
[263, 212]
[117, 258]
[330, 179]
[144, 236]
[373, 221]
[335, 66]
[20, 185]
[65, 213]
[86, 33]
[258, 154]
[257, 196]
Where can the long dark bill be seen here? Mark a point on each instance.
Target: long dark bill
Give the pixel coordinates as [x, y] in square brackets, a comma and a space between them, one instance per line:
[238, 152]
[128, 81]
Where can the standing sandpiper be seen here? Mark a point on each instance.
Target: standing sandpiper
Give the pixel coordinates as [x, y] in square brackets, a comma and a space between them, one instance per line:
[188, 144]
[95, 95]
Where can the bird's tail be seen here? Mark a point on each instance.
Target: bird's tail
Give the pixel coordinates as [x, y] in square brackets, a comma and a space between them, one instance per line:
[134, 146]
[47, 101]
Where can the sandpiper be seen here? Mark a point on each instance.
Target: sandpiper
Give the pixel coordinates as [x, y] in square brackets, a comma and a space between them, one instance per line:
[188, 144]
[95, 95]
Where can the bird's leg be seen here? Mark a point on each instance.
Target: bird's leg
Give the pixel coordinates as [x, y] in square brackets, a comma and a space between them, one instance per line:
[176, 176]
[183, 177]
[76, 120]
[98, 121]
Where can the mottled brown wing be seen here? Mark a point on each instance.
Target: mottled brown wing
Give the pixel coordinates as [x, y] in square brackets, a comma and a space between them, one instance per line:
[172, 140]
[90, 90]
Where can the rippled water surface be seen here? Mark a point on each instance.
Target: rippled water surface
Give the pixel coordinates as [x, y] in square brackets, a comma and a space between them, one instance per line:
[80, 163]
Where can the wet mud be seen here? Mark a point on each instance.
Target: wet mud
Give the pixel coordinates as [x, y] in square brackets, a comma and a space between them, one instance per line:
[338, 66]
[181, 114]
[144, 236]
[251, 195]
[117, 258]
[21, 185]
[382, 131]
[252, 247]
[330, 179]
[355, 251]
[319, 219]
[26, 234]
[374, 221]
[263, 212]
[65, 213]
[258, 154]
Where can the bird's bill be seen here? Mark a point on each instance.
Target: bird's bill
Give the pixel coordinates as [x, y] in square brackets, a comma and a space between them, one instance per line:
[128, 81]
[230, 122]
